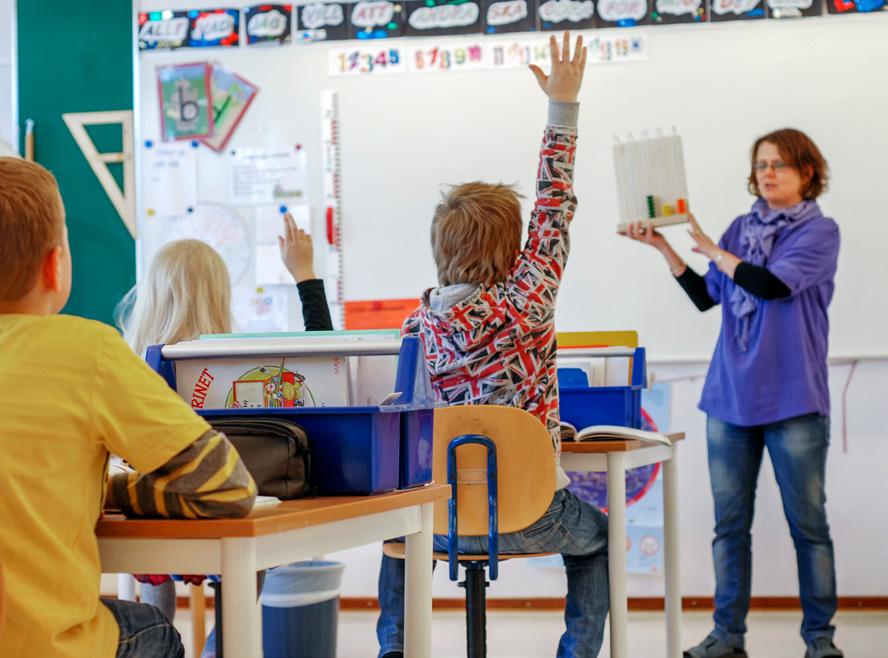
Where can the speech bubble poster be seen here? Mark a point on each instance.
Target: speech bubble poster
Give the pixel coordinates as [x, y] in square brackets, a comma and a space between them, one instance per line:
[794, 8]
[214, 27]
[854, 6]
[566, 14]
[668, 12]
[736, 10]
[376, 19]
[505, 16]
[323, 21]
[268, 24]
[622, 13]
[163, 29]
[442, 17]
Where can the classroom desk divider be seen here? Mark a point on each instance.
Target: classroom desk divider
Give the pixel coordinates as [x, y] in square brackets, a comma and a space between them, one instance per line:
[355, 450]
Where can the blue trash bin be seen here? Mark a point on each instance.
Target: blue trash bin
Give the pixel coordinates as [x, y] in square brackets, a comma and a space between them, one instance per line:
[300, 609]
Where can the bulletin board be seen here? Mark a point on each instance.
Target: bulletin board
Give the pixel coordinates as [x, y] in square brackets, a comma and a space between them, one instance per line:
[407, 128]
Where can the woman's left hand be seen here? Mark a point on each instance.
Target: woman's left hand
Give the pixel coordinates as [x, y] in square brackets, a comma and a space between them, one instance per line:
[704, 244]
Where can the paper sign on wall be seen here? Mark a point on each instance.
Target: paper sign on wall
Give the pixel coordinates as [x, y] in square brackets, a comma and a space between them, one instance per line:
[231, 96]
[504, 16]
[214, 27]
[366, 60]
[678, 11]
[622, 13]
[734, 10]
[439, 57]
[257, 310]
[439, 17]
[376, 19]
[163, 29]
[260, 176]
[566, 14]
[169, 180]
[184, 95]
[268, 24]
[321, 21]
[794, 8]
[378, 314]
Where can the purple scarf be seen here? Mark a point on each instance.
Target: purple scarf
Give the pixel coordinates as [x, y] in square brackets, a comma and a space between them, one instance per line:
[758, 233]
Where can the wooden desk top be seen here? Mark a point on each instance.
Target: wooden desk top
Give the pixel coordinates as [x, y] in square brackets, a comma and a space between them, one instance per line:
[586, 447]
[288, 515]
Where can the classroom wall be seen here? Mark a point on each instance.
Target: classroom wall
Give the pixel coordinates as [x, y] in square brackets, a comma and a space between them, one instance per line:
[7, 79]
[63, 67]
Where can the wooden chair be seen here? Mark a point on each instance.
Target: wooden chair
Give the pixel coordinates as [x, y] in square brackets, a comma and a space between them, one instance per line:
[500, 460]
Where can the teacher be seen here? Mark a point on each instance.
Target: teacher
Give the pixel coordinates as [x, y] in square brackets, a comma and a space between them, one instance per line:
[767, 386]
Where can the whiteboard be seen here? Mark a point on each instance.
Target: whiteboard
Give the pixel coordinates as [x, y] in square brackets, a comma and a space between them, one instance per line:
[403, 138]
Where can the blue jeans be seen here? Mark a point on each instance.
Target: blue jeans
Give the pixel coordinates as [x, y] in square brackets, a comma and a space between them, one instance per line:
[571, 527]
[145, 632]
[797, 447]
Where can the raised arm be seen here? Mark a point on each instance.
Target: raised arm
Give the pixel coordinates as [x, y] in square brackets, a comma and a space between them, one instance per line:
[535, 280]
[297, 252]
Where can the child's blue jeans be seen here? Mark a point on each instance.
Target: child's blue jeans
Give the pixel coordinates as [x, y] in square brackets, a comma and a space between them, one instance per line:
[571, 527]
[145, 632]
[797, 447]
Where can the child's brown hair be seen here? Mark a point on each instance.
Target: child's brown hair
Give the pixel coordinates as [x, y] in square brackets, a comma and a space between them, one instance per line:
[476, 233]
[32, 220]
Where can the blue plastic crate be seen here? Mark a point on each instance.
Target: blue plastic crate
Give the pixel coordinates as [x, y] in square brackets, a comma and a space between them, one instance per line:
[358, 450]
[583, 405]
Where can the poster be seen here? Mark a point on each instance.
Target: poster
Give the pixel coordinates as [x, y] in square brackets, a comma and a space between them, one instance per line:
[854, 6]
[504, 16]
[518, 53]
[260, 310]
[169, 181]
[184, 95]
[622, 13]
[566, 14]
[214, 27]
[268, 24]
[163, 29]
[678, 11]
[231, 96]
[376, 19]
[261, 176]
[733, 10]
[442, 17]
[319, 21]
[379, 314]
[794, 8]
[366, 59]
[433, 57]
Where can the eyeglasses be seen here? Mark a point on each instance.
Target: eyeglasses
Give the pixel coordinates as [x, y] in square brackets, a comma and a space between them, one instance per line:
[777, 165]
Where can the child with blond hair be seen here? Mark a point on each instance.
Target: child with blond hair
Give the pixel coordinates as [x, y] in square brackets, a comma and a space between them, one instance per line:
[187, 293]
[489, 336]
[74, 392]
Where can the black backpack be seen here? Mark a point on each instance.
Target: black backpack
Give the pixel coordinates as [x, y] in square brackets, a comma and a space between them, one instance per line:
[274, 450]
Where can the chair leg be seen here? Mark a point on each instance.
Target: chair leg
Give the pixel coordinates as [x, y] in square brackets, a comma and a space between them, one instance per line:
[198, 606]
[217, 613]
[476, 609]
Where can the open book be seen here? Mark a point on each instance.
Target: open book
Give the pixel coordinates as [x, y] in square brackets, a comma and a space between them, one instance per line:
[610, 433]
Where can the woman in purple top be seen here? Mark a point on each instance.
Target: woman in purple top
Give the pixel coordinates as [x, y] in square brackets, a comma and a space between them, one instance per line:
[772, 273]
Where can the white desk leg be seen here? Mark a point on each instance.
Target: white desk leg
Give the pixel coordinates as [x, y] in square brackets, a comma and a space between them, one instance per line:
[418, 590]
[240, 611]
[671, 568]
[126, 587]
[616, 553]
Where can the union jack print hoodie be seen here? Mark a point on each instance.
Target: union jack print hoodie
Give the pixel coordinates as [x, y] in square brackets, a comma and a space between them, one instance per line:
[495, 344]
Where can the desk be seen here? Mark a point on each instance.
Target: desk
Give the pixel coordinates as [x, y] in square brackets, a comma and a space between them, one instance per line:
[273, 536]
[615, 457]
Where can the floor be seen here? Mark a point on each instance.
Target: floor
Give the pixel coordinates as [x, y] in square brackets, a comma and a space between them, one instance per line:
[535, 634]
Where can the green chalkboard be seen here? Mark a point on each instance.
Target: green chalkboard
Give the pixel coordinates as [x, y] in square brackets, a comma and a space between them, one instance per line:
[77, 57]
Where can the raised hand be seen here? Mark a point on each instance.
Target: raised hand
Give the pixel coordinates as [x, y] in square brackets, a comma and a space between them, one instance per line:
[704, 244]
[564, 80]
[297, 250]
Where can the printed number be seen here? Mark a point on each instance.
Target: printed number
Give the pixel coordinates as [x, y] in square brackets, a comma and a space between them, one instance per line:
[353, 60]
[420, 60]
[459, 56]
[381, 59]
[445, 59]
[394, 56]
[368, 63]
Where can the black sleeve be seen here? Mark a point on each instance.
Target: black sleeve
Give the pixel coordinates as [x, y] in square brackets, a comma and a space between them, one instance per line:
[695, 286]
[760, 281]
[315, 312]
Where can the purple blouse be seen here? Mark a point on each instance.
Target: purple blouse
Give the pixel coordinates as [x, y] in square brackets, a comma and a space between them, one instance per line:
[782, 373]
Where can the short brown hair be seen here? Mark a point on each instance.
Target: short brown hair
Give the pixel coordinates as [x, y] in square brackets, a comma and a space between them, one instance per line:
[801, 153]
[476, 233]
[32, 219]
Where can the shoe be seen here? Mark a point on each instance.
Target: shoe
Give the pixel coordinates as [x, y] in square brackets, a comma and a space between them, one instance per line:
[712, 647]
[823, 647]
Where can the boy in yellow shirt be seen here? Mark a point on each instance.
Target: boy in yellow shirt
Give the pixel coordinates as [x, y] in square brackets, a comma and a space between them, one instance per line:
[71, 392]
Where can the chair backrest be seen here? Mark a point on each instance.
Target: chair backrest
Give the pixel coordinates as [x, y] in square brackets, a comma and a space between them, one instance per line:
[525, 467]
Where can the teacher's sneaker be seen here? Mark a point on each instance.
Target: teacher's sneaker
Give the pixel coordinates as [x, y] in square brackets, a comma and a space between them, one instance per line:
[823, 647]
[712, 647]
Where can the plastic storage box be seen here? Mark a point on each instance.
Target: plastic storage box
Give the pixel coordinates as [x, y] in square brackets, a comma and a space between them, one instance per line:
[583, 405]
[355, 450]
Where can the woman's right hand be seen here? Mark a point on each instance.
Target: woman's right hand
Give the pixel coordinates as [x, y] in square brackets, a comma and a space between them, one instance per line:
[642, 231]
